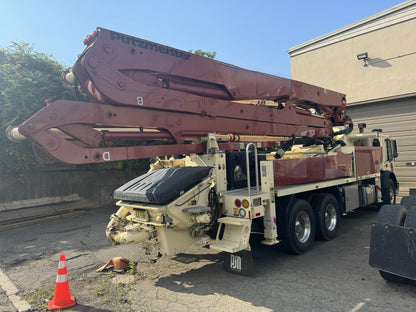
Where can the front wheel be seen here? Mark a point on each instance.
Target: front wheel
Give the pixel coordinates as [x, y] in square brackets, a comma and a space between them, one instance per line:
[388, 192]
[301, 227]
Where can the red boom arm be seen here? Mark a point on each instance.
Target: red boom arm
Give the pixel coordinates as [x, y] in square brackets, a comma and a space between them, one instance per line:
[153, 100]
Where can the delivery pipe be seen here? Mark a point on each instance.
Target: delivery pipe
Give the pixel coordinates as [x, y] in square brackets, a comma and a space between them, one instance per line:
[119, 233]
[14, 135]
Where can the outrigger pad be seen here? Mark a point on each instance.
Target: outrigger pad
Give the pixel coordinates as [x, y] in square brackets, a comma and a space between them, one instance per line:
[161, 186]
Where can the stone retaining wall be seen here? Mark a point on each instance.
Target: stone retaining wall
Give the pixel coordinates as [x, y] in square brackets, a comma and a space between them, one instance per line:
[61, 186]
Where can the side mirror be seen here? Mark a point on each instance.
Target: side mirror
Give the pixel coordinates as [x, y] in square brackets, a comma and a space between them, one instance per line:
[395, 151]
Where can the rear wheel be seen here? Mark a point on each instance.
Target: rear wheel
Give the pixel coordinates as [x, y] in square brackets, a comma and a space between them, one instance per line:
[301, 227]
[327, 215]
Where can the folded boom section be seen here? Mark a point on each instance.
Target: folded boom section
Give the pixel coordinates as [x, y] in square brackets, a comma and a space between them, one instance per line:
[153, 100]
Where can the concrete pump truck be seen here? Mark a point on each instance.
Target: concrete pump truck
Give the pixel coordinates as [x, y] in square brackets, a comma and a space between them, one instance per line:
[236, 152]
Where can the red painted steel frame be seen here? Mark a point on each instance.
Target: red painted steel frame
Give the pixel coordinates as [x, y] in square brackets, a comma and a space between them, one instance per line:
[368, 159]
[143, 85]
[304, 170]
[125, 68]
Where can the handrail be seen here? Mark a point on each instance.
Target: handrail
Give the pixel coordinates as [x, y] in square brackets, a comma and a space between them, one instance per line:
[255, 166]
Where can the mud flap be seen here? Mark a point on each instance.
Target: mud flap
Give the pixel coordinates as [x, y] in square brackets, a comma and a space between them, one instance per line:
[240, 262]
[393, 249]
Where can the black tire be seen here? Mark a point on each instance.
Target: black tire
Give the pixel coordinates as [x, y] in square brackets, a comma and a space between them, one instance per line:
[410, 203]
[327, 216]
[301, 227]
[388, 192]
[393, 278]
[392, 214]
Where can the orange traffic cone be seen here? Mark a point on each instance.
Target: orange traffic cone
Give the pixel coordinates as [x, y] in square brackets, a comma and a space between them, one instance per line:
[61, 297]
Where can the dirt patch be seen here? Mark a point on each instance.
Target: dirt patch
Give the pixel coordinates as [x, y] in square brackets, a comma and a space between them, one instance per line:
[93, 291]
[119, 292]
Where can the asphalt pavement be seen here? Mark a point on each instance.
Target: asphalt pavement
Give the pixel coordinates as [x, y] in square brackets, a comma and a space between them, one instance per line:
[333, 276]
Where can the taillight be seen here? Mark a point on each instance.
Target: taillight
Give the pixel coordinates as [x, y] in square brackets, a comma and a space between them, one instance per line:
[245, 203]
[238, 203]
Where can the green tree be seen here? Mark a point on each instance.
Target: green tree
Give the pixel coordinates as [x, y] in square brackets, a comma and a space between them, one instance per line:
[27, 78]
[207, 54]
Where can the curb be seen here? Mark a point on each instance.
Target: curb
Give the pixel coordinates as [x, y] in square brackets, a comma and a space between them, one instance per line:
[11, 291]
[14, 218]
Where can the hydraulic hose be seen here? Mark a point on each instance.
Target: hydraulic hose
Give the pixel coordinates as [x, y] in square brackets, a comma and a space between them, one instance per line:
[345, 131]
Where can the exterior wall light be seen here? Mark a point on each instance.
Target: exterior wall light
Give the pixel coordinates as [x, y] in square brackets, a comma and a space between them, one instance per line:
[363, 56]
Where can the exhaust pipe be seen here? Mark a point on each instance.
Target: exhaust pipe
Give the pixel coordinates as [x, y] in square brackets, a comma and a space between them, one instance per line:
[14, 135]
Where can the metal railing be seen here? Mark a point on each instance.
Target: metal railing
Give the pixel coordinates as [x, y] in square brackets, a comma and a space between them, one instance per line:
[255, 166]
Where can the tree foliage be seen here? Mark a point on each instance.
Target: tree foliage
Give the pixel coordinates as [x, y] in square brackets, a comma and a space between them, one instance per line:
[27, 79]
[207, 54]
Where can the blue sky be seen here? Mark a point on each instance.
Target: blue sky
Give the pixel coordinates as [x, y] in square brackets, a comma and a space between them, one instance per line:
[251, 34]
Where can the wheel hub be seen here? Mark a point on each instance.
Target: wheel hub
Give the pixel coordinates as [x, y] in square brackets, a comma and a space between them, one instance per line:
[303, 227]
[330, 217]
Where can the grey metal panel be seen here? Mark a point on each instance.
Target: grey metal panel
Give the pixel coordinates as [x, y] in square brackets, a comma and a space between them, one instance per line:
[352, 198]
[398, 119]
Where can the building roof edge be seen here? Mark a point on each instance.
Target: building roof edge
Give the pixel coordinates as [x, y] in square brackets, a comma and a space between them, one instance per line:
[397, 14]
[383, 99]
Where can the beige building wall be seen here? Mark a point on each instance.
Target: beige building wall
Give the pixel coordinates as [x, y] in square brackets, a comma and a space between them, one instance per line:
[381, 94]
[330, 61]
[397, 118]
